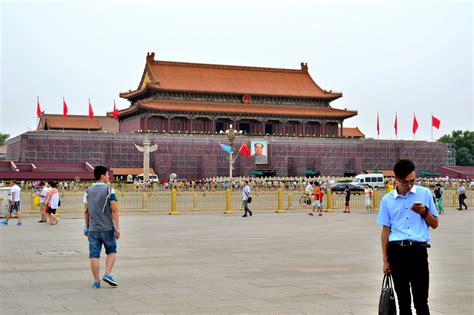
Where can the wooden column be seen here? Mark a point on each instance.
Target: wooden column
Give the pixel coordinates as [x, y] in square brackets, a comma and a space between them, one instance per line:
[168, 127]
[303, 129]
[341, 133]
[145, 123]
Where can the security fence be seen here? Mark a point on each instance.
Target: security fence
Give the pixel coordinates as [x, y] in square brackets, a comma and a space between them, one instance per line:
[173, 202]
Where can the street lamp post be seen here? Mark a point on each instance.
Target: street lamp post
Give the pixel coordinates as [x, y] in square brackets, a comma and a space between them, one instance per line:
[231, 134]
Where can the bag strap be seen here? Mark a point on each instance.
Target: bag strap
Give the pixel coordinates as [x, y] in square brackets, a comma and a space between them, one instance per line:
[387, 281]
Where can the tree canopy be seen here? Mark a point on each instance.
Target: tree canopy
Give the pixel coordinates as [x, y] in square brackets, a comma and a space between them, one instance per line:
[463, 144]
[3, 138]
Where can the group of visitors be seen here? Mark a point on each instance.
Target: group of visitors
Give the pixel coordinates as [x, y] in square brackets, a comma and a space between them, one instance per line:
[49, 202]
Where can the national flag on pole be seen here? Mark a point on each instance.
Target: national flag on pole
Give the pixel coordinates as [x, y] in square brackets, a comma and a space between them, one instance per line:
[225, 148]
[378, 124]
[38, 108]
[415, 124]
[435, 122]
[245, 150]
[64, 108]
[395, 125]
[115, 112]
[91, 112]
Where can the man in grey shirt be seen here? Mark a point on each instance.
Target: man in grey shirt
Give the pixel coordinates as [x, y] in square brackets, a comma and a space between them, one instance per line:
[102, 225]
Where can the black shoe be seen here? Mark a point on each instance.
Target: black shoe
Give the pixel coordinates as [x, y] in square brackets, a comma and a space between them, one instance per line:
[41, 221]
[458, 209]
[251, 213]
[244, 216]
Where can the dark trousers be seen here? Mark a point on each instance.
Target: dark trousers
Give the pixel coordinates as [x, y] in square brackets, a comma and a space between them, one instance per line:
[246, 208]
[409, 268]
[461, 202]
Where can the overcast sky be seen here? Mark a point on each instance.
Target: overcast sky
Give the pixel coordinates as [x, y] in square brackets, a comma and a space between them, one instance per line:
[406, 57]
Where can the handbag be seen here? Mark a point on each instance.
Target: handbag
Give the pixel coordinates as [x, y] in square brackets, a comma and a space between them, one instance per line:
[387, 304]
[249, 199]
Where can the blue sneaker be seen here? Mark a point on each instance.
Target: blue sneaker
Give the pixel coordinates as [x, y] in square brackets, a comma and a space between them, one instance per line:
[4, 222]
[19, 223]
[96, 284]
[110, 280]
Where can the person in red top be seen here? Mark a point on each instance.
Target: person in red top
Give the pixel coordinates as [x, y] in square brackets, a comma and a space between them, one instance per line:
[317, 200]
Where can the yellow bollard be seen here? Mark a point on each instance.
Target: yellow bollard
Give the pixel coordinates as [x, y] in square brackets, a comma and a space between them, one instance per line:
[455, 199]
[195, 202]
[174, 193]
[144, 203]
[280, 201]
[329, 201]
[290, 201]
[228, 204]
[375, 201]
[34, 208]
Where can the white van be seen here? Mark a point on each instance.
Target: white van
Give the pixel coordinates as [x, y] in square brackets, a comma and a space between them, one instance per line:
[152, 177]
[374, 180]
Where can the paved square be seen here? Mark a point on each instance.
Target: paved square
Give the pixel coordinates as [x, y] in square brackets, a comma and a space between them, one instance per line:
[212, 263]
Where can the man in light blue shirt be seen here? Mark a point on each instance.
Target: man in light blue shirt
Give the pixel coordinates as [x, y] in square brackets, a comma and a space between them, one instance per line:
[406, 214]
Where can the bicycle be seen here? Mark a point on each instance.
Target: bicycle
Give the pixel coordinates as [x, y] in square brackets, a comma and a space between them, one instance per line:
[305, 201]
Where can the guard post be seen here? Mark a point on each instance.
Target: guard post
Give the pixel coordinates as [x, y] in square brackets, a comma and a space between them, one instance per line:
[173, 202]
[280, 201]
[228, 204]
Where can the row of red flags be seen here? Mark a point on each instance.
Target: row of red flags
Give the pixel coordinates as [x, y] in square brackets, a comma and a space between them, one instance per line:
[435, 122]
[65, 110]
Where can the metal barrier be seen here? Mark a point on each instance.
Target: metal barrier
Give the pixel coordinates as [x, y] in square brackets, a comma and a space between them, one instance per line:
[228, 202]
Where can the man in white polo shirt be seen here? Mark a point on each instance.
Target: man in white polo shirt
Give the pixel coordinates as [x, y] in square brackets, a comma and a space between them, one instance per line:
[14, 199]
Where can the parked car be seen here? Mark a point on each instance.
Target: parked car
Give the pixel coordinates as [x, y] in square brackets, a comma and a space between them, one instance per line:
[342, 186]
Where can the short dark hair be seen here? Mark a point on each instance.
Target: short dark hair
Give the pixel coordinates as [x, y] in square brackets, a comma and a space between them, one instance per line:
[402, 168]
[316, 183]
[41, 183]
[255, 145]
[53, 184]
[99, 171]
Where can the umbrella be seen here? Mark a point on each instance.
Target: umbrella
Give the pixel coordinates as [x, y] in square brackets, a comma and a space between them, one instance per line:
[256, 173]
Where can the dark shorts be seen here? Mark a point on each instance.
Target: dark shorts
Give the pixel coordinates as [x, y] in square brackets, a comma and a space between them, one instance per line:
[347, 203]
[15, 206]
[51, 210]
[97, 238]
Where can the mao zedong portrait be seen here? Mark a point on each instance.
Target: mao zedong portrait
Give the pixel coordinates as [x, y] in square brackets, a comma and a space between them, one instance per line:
[259, 155]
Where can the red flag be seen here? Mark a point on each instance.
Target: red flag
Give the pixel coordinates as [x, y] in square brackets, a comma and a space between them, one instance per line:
[378, 124]
[415, 124]
[64, 108]
[245, 150]
[395, 125]
[115, 114]
[38, 109]
[91, 112]
[435, 122]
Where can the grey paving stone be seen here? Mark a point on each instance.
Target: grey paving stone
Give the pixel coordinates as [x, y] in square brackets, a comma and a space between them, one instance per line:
[222, 264]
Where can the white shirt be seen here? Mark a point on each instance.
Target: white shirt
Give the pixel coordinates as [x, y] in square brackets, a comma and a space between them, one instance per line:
[55, 201]
[44, 192]
[308, 189]
[15, 189]
[245, 193]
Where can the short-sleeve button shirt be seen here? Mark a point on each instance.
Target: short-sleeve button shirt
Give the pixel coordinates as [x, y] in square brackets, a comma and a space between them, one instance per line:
[405, 224]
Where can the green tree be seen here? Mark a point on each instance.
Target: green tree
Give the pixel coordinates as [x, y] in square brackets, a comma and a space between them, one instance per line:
[463, 144]
[3, 138]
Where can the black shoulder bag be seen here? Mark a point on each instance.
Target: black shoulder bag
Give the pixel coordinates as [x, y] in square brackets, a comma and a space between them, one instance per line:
[387, 304]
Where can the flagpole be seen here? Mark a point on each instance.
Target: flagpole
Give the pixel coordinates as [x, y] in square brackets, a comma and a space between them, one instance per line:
[378, 126]
[238, 152]
[39, 118]
[396, 129]
[414, 133]
[431, 127]
[63, 114]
